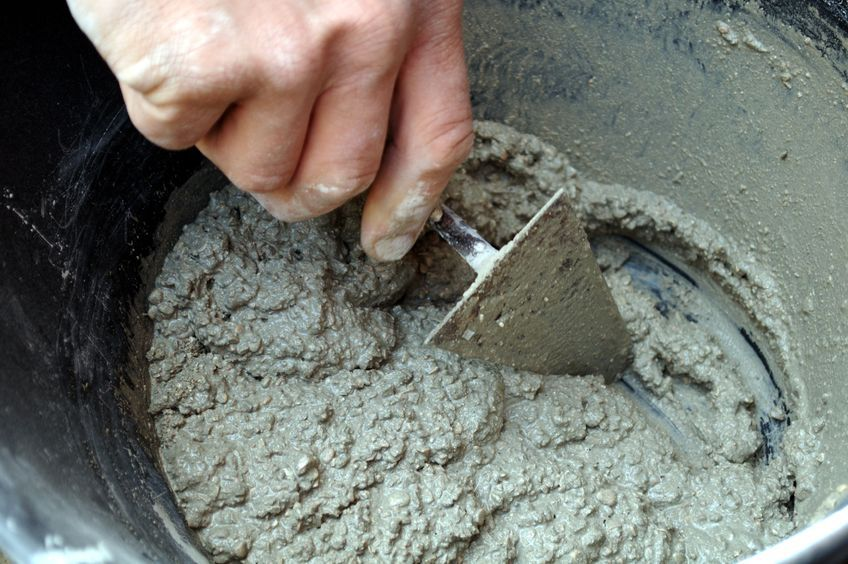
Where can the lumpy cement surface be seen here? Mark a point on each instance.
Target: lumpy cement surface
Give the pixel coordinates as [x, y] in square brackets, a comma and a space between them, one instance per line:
[301, 417]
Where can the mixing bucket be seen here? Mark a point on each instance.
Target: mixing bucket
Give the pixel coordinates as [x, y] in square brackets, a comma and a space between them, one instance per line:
[735, 111]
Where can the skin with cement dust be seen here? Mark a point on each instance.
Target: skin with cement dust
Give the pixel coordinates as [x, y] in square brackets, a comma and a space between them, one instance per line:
[300, 415]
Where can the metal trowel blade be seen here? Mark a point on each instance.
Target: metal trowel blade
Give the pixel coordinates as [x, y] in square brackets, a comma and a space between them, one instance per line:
[543, 305]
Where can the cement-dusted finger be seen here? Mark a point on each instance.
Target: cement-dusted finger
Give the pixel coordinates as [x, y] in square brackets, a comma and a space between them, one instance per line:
[344, 145]
[431, 135]
[347, 133]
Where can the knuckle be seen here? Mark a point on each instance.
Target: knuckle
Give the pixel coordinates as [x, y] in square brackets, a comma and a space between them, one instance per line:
[142, 74]
[360, 174]
[182, 84]
[178, 61]
[449, 142]
[372, 29]
[157, 126]
[388, 25]
[170, 126]
[285, 61]
[285, 70]
[198, 78]
[173, 142]
[176, 92]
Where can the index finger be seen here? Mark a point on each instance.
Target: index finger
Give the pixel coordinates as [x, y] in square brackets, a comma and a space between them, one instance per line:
[431, 136]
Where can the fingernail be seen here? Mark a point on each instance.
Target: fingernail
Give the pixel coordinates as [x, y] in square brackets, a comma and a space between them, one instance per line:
[393, 248]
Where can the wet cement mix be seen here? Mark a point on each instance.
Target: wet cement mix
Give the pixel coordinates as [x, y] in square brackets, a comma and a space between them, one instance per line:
[301, 417]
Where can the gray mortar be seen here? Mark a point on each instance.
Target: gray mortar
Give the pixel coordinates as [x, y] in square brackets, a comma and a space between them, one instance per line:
[301, 417]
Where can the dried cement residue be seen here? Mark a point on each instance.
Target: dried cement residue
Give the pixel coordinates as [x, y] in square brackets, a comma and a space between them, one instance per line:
[301, 417]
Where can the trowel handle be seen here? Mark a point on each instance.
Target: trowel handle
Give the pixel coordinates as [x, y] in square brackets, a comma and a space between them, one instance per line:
[463, 238]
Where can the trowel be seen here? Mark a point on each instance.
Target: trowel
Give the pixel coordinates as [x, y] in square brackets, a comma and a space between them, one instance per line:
[540, 303]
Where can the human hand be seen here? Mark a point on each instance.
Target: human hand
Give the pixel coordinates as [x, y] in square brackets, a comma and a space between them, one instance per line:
[294, 100]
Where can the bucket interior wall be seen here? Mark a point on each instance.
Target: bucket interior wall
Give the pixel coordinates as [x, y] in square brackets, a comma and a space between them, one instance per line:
[649, 94]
